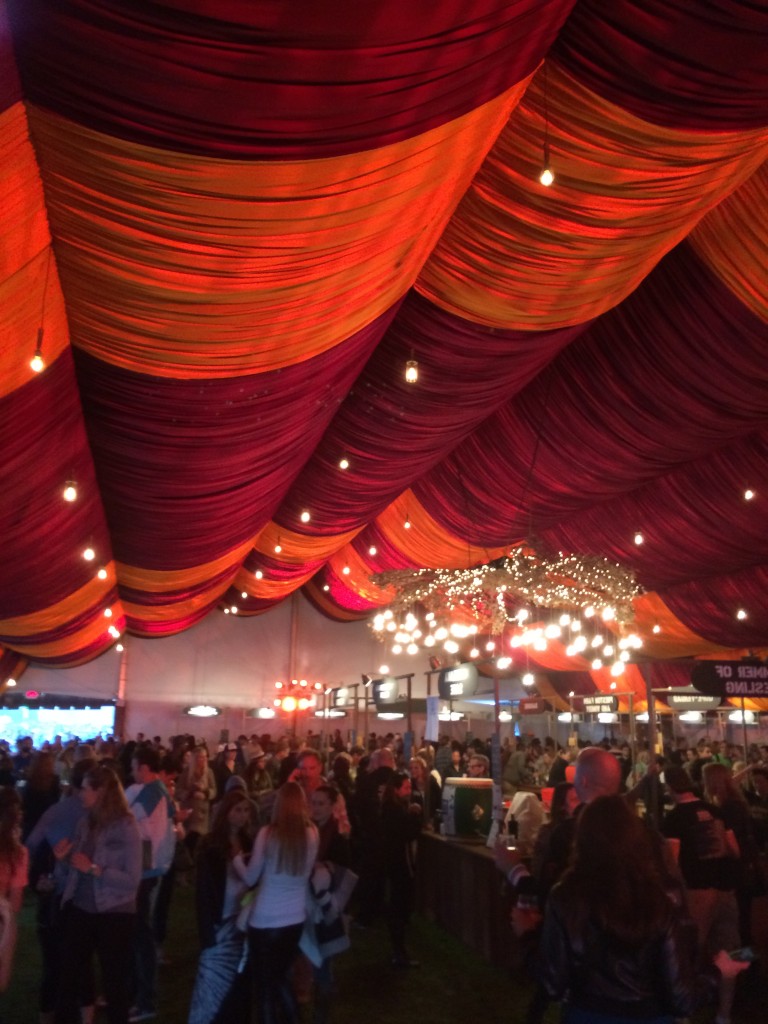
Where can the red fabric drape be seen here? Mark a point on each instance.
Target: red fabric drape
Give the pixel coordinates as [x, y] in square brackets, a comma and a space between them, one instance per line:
[697, 66]
[304, 79]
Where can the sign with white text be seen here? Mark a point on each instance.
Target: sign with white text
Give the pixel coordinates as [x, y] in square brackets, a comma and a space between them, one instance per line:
[598, 702]
[690, 700]
[731, 678]
[457, 682]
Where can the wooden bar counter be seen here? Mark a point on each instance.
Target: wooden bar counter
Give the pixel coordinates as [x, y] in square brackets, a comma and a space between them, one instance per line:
[459, 888]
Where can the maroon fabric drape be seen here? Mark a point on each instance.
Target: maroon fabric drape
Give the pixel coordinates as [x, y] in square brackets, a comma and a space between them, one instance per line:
[709, 607]
[10, 88]
[465, 372]
[698, 66]
[648, 388]
[212, 465]
[44, 536]
[276, 79]
[695, 521]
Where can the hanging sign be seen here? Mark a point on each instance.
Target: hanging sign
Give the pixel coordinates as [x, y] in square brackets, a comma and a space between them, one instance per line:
[533, 706]
[690, 700]
[457, 682]
[385, 691]
[598, 702]
[731, 678]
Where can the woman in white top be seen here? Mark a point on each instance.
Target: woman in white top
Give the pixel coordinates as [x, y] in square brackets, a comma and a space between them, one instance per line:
[281, 863]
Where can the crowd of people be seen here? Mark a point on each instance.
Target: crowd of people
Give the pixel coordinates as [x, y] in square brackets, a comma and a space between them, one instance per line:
[633, 885]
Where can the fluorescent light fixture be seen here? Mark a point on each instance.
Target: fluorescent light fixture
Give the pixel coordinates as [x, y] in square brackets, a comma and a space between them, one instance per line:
[262, 713]
[747, 719]
[202, 711]
[692, 716]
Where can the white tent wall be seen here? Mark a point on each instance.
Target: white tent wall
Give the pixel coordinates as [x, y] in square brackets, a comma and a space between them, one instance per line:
[229, 661]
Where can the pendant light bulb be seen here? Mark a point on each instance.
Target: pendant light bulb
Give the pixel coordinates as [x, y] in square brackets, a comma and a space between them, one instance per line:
[411, 371]
[37, 363]
[70, 491]
[547, 175]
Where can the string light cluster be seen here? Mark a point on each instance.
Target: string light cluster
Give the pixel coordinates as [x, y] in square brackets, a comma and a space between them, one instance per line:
[514, 598]
[296, 695]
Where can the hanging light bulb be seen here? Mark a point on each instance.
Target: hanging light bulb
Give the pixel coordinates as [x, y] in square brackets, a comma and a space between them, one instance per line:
[259, 575]
[372, 551]
[547, 176]
[528, 679]
[89, 554]
[102, 573]
[411, 371]
[344, 463]
[37, 363]
[305, 516]
[748, 494]
[70, 491]
[639, 538]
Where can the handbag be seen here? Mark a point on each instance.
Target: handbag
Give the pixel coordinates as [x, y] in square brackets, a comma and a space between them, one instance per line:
[326, 927]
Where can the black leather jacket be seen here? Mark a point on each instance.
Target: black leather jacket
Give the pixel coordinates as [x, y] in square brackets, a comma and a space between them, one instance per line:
[595, 971]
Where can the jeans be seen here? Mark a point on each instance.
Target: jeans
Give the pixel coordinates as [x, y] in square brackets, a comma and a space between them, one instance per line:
[145, 954]
[111, 937]
[272, 952]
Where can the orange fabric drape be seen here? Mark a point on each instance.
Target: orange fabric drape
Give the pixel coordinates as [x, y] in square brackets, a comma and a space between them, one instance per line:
[519, 255]
[318, 248]
[733, 241]
[426, 542]
[23, 221]
[297, 549]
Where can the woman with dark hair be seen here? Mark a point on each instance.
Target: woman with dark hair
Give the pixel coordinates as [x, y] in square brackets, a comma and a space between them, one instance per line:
[14, 871]
[257, 779]
[726, 794]
[612, 945]
[41, 791]
[281, 863]
[425, 791]
[220, 993]
[99, 898]
[555, 839]
[401, 822]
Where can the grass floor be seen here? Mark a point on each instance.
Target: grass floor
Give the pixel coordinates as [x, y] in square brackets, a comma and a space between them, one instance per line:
[452, 985]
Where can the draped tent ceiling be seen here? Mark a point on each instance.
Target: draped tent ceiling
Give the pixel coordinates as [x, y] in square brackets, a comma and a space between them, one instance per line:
[235, 222]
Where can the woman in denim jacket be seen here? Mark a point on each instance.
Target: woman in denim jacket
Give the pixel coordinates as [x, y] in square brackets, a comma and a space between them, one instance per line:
[100, 896]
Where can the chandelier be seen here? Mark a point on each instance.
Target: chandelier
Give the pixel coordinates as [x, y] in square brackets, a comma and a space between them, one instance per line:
[526, 597]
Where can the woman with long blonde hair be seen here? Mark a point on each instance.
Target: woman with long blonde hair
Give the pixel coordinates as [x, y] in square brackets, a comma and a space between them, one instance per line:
[282, 861]
[195, 791]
